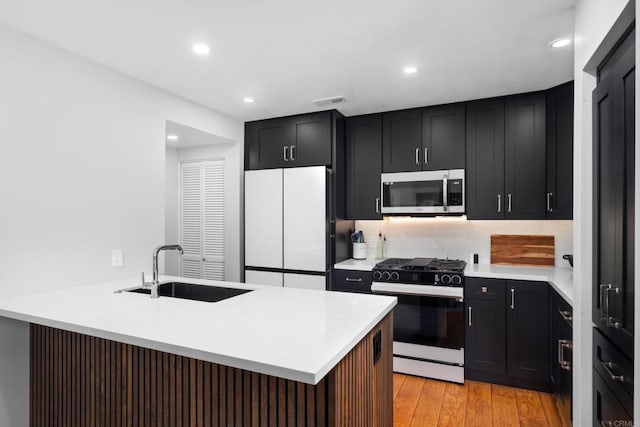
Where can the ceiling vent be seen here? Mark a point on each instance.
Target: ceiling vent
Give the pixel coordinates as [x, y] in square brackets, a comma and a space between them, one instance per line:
[330, 101]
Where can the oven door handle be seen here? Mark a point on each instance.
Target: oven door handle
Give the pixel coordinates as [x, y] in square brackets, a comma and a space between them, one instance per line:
[417, 290]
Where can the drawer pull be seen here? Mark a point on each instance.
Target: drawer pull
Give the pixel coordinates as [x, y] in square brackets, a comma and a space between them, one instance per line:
[562, 344]
[566, 315]
[349, 279]
[608, 366]
[470, 321]
[484, 290]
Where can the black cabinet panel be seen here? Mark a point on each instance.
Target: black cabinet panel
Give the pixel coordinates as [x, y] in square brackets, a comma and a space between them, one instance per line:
[525, 156]
[266, 143]
[615, 368]
[561, 368]
[311, 140]
[607, 409]
[614, 198]
[402, 141]
[443, 142]
[353, 281]
[364, 165]
[528, 330]
[485, 345]
[485, 289]
[559, 194]
[485, 159]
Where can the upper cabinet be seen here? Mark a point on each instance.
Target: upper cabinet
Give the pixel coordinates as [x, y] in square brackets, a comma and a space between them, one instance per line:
[305, 140]
[443, 137]
[525, 156]
[402, 141]
[364, 165]
[559, 194]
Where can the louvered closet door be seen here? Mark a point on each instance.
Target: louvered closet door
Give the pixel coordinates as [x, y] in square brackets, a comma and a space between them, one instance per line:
[202, 219]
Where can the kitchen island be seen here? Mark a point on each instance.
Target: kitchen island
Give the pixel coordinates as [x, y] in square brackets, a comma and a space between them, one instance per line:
[273, 356]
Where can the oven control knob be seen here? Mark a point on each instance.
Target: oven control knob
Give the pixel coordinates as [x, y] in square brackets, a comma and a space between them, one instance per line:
[445, 279]
[395, 276]
[386, 275]
[456, 280]
[377, 275]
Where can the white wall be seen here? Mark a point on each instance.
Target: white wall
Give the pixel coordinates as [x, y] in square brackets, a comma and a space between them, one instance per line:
[594, 18]
[233, 172]
[428, 237]
[83, 163]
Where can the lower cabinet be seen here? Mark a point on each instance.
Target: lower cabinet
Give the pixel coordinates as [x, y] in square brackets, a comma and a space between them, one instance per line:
[607, 410]
[507, 332]
[352, 281]
[562, 355]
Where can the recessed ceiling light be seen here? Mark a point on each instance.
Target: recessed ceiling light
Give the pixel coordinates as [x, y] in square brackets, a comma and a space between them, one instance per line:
[560, 43]
[410, 69]
[201, 49]
[248, 100]
[172, 137]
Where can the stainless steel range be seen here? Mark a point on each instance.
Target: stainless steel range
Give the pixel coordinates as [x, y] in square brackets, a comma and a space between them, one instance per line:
[428, 322]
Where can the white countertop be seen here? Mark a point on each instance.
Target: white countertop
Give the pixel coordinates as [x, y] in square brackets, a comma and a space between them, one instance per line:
[295, 334]
[560, 278]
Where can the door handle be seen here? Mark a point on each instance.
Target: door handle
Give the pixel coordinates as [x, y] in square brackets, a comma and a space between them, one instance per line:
[418, 156]
[291, 152]
[508, 202]
[566, 315]
[377, 204]
[426, 156]
[608, 366]
[284, 153]
[562, 344]
[609, 319]
[470, 321]
[549, 208]
[349, 279]
[499, 202]
[513, 299]
[444, 193]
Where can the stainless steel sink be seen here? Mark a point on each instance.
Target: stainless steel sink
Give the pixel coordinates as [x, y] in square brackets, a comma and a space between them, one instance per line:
[193, 292]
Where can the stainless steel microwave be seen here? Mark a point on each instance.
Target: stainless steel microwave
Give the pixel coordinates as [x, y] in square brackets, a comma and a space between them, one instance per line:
[428, 192]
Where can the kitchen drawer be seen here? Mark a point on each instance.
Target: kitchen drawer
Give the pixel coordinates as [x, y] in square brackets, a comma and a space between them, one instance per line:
[353, 281]
[484, 289]
[614, 368]
[564, 310]
[607, 410]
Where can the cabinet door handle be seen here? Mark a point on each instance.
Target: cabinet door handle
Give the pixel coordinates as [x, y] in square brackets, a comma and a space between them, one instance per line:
[470, 321]
[610, 320]
[508, 202]
[608, 366]
[566, 315]
[291, 152]
[549, 208]
[562, 344]
[513, 299]
[560, 353]
[377, 204]
[499, 203]
[426, 155]
[418, 156]
[284, 153]
[349, 279]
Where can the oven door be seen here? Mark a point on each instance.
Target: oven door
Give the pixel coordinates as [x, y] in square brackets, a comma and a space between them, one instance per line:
[426, 315]
[414, 192]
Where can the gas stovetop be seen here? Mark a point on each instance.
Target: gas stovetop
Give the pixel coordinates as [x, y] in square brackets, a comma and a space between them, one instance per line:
[420, 271]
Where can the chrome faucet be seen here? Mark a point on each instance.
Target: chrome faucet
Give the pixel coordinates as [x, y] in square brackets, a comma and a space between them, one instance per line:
[154, 282]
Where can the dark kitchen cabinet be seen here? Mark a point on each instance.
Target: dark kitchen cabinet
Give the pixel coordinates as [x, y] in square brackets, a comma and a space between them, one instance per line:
[485, 159]
[507, 332]
[295, 141]
[614, 198]
[607, 409]
[615, 369]
[562, 355]
[364, 165]
[352, 281]
[402, 141]
[443, 143]
[559, 193]
[525, 156]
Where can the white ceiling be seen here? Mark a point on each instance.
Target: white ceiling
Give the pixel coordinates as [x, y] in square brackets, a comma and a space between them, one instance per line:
[285, 53]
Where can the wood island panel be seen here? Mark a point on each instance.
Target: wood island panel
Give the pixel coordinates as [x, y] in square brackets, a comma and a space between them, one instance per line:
[80, 380]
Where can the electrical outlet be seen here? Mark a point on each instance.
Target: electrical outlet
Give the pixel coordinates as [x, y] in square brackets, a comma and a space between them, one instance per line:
[117, 259]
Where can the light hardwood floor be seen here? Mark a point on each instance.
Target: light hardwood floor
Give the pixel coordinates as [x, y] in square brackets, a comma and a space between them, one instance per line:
[424, 402]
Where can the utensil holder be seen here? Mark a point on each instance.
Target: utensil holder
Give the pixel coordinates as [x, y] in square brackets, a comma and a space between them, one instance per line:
[359, 251]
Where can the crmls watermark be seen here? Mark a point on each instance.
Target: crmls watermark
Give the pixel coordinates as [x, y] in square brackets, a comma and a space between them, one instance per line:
[620, 423]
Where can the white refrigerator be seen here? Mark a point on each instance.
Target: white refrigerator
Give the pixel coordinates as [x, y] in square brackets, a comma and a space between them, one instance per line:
[289, 228]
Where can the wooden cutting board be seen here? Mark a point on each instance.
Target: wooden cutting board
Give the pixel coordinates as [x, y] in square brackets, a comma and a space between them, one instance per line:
[514, 249]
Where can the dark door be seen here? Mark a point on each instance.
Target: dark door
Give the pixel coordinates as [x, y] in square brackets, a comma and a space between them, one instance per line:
[311, 140]
[267, 143]
[402, 141]
[614, 171]
[364, 165]
[485, 336]
[607, 410]
[564, 348]
[525, 156]
[528, 330]
[559, 194]
[443, 137]
[485, 197]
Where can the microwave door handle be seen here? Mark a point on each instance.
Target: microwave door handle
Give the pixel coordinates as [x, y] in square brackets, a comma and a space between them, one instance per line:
[444, 194]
